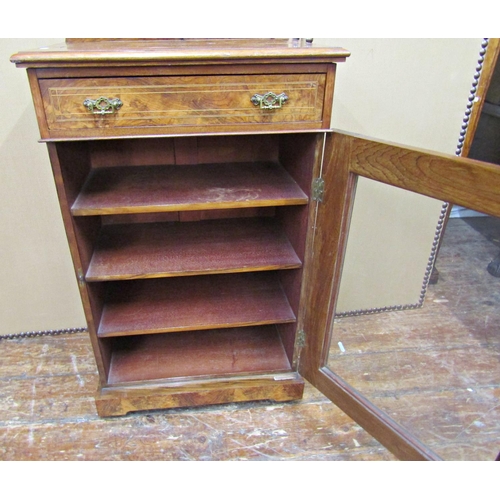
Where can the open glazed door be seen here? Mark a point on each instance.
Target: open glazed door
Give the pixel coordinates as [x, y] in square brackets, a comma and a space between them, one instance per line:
[423, 377]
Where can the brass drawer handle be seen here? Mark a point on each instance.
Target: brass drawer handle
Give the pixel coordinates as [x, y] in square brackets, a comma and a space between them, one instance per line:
[103, 105]
[269, 100]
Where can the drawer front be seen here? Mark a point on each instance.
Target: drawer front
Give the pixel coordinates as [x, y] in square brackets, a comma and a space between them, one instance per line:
[182, 104]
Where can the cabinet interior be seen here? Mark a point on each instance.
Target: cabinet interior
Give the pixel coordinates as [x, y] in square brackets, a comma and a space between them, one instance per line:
[192, 250]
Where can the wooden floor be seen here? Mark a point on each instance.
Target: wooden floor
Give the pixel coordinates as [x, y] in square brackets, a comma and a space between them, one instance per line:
[443, 384]
[47, 412]
[436, 369]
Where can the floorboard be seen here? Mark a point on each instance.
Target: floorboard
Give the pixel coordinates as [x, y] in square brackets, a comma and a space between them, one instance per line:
[441, 381]
[47, 412]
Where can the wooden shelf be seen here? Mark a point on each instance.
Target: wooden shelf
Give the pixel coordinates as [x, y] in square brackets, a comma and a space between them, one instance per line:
[192, 303]
[119, 190]
[212, 353]
[130, 251]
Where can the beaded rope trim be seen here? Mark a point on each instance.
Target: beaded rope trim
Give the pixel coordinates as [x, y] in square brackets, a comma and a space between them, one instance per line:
[41, 333]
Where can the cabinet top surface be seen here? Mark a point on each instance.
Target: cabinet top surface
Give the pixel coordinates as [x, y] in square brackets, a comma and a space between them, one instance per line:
[84, 52]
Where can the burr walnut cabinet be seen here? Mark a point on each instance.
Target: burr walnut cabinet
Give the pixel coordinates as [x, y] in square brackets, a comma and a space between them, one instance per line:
[206, 203]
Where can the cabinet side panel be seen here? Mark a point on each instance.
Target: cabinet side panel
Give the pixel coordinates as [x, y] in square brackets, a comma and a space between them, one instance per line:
[38, 102]
[70, 165]
[328, 104]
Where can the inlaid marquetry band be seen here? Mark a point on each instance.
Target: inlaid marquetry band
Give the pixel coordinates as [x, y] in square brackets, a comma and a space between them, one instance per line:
[444, 208]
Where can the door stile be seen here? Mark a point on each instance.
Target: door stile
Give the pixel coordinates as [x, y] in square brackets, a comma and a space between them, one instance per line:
[328, 226]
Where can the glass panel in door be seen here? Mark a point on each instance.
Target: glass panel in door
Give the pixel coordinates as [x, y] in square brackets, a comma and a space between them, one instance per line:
[423, 347]
[413, 359]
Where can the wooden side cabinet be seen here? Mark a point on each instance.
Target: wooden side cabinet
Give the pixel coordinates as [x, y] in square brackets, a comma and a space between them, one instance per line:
[206, 204]
[184, 172]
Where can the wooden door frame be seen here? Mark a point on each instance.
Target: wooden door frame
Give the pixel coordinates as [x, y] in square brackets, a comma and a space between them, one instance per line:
[481, 86]
[443, 177]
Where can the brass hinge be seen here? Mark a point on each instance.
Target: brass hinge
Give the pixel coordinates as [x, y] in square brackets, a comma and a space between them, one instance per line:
[318, 189]
[80, 278]
[301, 339]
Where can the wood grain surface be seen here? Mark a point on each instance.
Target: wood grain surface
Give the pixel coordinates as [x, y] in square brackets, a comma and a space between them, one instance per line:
[181, 102]
[194, 302]
[452, 179]
[138, 52]
[205, 354]
[189, 187]
[205, 247]
[47, 412]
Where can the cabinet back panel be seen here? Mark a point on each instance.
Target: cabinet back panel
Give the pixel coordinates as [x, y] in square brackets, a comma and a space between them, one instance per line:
[117, 153]
[198, 354]
[183, 150]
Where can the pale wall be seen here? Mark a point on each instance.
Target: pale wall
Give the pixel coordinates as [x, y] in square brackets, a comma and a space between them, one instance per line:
[38, 289]
[413, 92]
[408, 91]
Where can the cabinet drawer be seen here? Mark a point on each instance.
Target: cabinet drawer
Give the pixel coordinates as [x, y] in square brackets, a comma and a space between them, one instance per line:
[86, 107]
